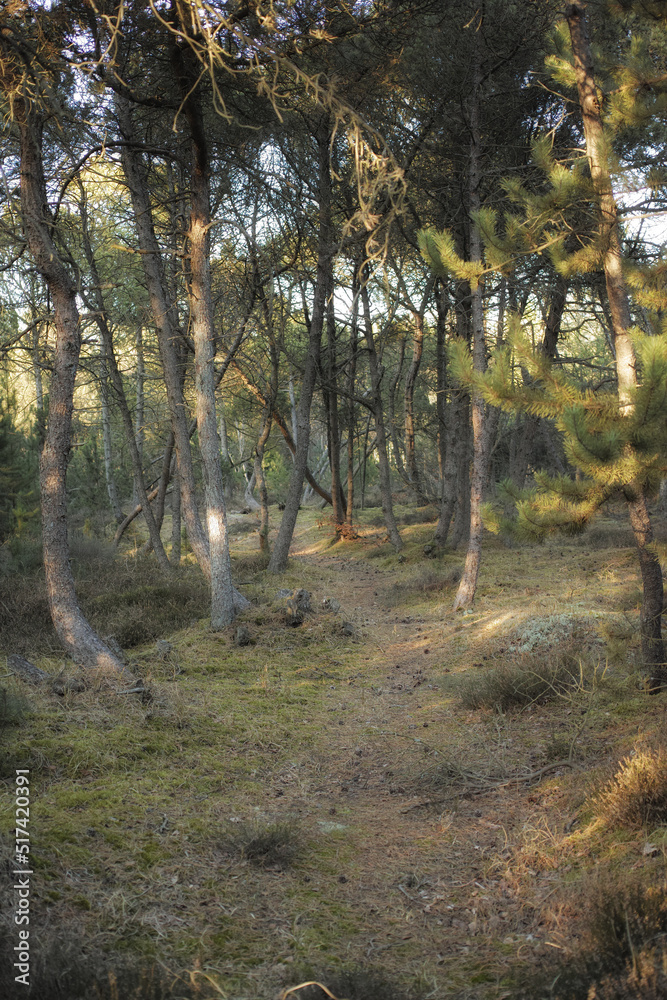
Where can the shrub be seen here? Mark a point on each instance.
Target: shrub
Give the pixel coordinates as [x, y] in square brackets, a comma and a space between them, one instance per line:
[624, 954]
[266, 844]
[57, 973]
[514, 685]
[637, 794]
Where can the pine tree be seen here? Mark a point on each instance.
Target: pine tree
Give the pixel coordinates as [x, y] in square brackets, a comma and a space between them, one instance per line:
[618, 438]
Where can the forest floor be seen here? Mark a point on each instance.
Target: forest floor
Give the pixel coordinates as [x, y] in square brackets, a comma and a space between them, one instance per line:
[331, 806]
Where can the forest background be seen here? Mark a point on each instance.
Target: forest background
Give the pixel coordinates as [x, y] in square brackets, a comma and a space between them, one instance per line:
[339, 254]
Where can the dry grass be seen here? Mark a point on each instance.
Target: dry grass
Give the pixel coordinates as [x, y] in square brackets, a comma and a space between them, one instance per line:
[264, 842]
[526, 680]
[622, 953]
[60, 970]
[359, 742]
[637, 795]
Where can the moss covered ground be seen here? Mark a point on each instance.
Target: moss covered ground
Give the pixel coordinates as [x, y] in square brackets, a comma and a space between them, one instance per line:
[450, 851]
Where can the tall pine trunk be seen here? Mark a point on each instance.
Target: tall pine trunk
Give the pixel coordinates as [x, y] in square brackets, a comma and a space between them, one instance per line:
[468, 585]
[653, 652]
[380, 431]
[325, 252]
[201, 322]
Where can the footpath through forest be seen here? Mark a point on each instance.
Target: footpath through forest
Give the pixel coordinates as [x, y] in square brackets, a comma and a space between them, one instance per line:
[387, 790]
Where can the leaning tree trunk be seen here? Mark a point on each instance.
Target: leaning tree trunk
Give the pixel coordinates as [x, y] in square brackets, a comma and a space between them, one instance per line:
[653, 652]
[325, 253]
[74, 631]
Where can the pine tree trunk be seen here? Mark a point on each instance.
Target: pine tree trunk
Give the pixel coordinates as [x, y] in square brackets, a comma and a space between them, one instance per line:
[74, 631]
[140, 378]
[380, 434]
[468, 585]
[175, 554]
[279, 556]
[456, 429]
[391, 411]
[203, 334]
[409, 401]
[442, 306]
[653, 651]
[333, 429]
[351, 384]
[461, 526]
[106, 439]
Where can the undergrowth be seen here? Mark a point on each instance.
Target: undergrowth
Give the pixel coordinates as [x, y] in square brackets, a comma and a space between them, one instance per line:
[58, 972]
[122, 595]
[623, 951]
[531, 680]
[264, 843]
[637, 794]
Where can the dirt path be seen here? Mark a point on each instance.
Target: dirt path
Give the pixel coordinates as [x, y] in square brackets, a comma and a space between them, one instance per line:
[442, 871]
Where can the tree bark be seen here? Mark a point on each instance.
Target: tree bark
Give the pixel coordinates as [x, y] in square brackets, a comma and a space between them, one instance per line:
[333, 430]
[466, 593]
[140, 378]
[391, 411]
[278, 561]
[409, 400]
[201, 322]
[442, 307]
[351, 383]
[74, 631]
[653, 651]
[106, 438]
[380, 433]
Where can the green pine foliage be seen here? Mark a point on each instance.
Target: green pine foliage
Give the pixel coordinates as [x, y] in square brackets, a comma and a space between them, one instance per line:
[615, 453]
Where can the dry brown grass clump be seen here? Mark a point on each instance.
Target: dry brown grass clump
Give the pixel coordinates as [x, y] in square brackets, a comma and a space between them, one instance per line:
[266, 844]
[529, 681]
[624, 953]
[637, 794]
